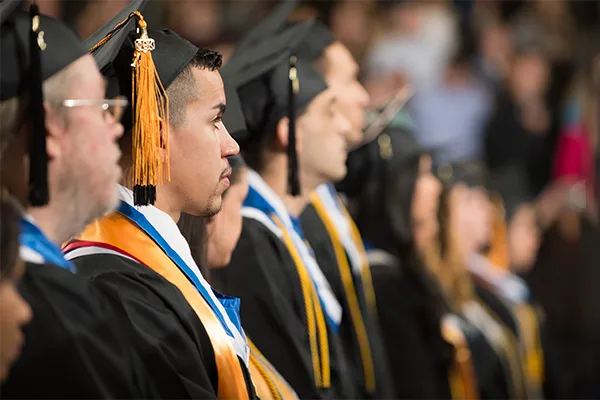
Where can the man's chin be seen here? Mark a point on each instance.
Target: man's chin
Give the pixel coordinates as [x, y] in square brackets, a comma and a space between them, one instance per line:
[339, 175]
[110, 204]
[214, 207]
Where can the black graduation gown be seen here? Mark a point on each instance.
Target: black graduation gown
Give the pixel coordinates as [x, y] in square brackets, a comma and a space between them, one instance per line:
[263, 275]
[167, 332]
[319, 240]
[419, 357]
[74, 345]
[566, 282]
[492, 380]
[506, 318]
[500, 309]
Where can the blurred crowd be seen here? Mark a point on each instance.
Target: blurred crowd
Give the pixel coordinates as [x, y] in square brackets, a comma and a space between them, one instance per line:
[504, 99]
[506, 83]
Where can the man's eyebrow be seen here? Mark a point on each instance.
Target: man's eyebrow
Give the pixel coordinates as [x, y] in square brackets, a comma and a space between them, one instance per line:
[221, 107]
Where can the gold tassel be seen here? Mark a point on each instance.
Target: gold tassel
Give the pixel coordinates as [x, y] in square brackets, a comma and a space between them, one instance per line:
[150, 132]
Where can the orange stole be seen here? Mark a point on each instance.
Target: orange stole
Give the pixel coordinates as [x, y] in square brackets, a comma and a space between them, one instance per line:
[118, 231]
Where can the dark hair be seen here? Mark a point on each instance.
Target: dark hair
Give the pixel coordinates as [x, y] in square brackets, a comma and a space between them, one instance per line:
[193, 229]
[9, 235]
[384, 218]
[384, 209]
[184, 88]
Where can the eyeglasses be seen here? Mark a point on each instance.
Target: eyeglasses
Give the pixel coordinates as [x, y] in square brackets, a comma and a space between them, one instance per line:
[114, 107]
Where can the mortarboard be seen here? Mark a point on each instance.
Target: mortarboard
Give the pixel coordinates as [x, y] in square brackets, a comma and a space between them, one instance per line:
[105, 54]
[470, 173]
[8, 7]
[318, 39]
[386, 152]
[260, 74]
[268, 26]
[141, 63]
[33, 49]
[313, 44]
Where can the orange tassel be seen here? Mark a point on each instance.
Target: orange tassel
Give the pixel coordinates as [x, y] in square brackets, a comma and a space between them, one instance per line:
[150, 132]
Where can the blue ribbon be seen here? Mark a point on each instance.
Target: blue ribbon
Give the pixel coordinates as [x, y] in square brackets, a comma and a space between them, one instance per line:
[33, 238]
[230, 306]
[255, 200]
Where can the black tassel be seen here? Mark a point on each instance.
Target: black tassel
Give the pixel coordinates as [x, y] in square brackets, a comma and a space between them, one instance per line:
[144, 195]
[38, 157]
[293, 179]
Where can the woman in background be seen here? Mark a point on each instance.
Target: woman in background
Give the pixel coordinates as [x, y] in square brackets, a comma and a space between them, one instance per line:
[212, 241]
[499, 301]
[396, 209]
[14, 311]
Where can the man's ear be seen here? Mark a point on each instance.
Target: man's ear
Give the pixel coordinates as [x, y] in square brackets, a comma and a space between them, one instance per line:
[283, 131]
[55, 133]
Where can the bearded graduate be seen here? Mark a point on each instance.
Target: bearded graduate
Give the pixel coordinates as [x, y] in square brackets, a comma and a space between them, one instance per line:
[55, 116]
[294, 127]
[175, 152]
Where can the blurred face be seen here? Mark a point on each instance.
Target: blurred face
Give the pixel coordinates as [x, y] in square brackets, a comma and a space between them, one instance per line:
[323, 129]
[530, 75]
[82, 146]
[481, 214]
[406, 18]
[224, 229]
[341, 74]
[495, 42]
[523, 238]
[474, 217]
[199, 149]
[14, 314]
[425, 204]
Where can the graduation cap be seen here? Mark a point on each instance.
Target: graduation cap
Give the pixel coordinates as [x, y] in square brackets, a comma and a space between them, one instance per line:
[268, 26]
[313, 44]
[318, 39]
[469, 173]
[272, 83]
[141, 63]
[105, 54]
[33, 49]
[387, 152]
[7, 7]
